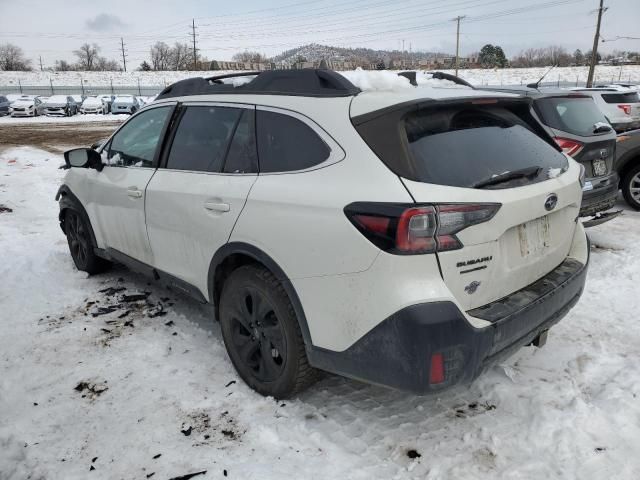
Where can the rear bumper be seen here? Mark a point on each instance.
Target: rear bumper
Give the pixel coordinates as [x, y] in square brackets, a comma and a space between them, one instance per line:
[397, 353]
[602, 196]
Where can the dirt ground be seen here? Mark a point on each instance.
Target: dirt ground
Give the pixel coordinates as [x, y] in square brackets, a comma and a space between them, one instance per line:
[54, 137]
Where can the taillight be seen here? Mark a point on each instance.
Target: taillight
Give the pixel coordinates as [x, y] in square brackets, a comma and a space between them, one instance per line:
[414, 229]
[570, 147]
[625, 108]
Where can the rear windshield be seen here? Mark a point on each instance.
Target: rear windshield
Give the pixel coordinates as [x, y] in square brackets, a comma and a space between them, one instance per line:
[467, 146]
[576, 115]
[626, 97]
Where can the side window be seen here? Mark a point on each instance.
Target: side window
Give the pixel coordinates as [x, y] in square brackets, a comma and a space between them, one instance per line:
[202, 138]
[136, 142]
[287, 144]
[242, 156]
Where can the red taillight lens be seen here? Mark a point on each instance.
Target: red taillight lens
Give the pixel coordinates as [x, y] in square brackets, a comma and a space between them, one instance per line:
[625, 108]
[570, 147]
[408, 230]
[436, 370]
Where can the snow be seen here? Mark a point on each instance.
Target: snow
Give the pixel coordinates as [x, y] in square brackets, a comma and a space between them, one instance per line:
[74, 387]
[506, 76]
[57, 120]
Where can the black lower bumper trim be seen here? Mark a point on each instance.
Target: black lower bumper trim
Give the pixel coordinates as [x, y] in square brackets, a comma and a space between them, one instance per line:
[397, 353]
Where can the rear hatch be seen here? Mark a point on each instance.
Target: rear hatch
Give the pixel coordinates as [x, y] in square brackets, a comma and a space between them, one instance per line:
[475, 153]
[581, 130]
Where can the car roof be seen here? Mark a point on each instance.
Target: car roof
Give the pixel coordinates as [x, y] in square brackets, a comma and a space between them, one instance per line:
[371, 101]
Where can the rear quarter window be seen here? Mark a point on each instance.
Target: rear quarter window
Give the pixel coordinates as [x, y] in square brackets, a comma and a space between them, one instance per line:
[286, 144]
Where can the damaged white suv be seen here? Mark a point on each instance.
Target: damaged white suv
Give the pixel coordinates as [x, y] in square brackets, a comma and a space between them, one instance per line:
[407, 238]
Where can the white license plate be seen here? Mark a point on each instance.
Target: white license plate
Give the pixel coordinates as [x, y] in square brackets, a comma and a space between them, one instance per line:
[599, 167]
[534, 236]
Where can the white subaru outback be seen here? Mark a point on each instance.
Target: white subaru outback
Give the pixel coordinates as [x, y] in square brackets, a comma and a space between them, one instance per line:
[407, 238]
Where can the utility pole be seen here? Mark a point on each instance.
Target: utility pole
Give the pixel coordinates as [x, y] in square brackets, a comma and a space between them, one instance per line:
[124, 57]
[594, 50]
[41, 69]
[195, 54]
[457, 20]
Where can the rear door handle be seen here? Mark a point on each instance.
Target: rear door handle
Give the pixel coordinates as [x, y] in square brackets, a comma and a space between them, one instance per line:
[217, 206]
[134, 193]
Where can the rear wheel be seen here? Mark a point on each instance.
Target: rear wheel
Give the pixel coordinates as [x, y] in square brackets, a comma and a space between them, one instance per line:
[80, 244]
[262, 335]
[631, 187]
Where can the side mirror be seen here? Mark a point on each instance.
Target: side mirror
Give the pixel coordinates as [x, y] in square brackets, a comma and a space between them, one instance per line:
[83, 158]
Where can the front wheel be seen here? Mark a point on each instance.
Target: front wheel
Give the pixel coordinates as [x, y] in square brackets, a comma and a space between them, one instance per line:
[80, 244]
[261, 333]
[631, 187]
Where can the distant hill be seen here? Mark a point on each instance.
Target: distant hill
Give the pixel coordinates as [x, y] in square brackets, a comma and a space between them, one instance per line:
[314, 52]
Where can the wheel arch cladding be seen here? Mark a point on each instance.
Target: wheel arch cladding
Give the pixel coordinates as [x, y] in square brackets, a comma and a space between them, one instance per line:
[235, 254]
[68, 201]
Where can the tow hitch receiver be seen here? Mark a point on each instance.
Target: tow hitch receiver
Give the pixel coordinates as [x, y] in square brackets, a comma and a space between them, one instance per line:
[540, 340]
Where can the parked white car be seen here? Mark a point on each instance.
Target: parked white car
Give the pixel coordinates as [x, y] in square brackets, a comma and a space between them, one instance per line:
[620, 105]
[125, 104]
[407, 238]
[60, 105]
[28, 106]
[92, 105]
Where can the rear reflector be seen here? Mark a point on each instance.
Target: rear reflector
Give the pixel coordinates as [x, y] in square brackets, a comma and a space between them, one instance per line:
[436, 370]
[414, 229]
[570, 147]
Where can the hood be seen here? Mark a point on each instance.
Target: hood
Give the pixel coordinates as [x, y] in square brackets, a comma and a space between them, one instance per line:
[22, 103]
[55, 104]
[92, 102]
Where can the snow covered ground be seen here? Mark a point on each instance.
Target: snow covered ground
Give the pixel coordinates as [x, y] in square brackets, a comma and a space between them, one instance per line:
[505, 76]
[6, 120]
[151, 394]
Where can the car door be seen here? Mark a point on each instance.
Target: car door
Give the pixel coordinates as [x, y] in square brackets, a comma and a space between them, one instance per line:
[196, 196]
[117, 194]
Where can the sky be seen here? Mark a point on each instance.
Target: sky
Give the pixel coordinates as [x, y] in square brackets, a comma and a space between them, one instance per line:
[52, 29]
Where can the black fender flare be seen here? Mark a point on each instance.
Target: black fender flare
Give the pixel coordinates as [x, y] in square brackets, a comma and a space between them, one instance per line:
[68, 201]
[261, 257]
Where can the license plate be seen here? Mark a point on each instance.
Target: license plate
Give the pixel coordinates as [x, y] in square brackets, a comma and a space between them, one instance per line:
[599, 168]
[534, 236]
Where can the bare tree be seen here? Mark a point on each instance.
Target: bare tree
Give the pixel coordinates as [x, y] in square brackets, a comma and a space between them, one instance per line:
[105, 65]
[249, 57]
[12, 58]
[63, 66]
[180, 56]
[87, 56]
[160, 56]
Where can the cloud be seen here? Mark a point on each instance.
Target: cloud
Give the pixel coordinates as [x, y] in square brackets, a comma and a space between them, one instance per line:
[104, 22]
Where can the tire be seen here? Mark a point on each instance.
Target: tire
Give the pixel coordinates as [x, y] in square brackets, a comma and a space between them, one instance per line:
[80, 244]
[262, 335]
[631, 187]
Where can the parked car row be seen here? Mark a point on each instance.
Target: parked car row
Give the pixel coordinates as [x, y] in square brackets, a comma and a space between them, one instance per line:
[68, 105]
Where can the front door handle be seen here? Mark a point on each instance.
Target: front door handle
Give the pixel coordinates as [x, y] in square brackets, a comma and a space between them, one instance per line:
[217, 206]
[134, 193]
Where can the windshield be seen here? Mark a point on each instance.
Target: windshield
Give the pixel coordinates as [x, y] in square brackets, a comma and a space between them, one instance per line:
[463, 147]
[576, 115]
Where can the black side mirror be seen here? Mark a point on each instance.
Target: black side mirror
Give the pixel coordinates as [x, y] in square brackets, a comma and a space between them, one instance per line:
[83, 158]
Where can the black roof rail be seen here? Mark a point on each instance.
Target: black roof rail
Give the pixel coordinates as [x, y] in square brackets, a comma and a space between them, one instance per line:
[305, 83]
[451, 78]
[411, 76]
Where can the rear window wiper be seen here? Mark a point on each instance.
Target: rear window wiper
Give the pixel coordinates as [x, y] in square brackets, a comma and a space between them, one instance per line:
[529, 172]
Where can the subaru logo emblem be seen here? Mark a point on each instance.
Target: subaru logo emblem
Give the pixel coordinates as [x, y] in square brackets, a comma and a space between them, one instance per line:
[472, 287]
[551, 202]
[604, 153]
